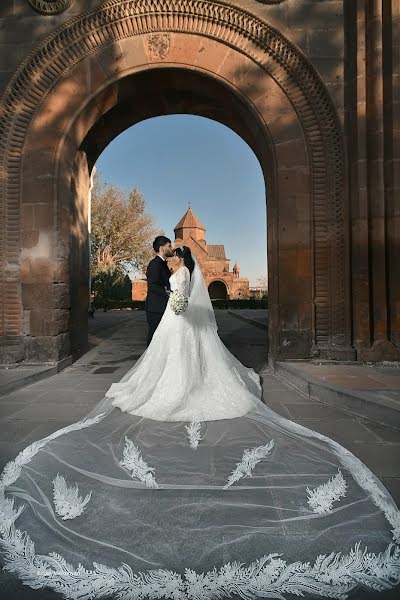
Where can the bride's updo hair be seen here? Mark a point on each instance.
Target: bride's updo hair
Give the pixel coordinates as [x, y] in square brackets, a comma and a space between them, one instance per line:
[184, 252]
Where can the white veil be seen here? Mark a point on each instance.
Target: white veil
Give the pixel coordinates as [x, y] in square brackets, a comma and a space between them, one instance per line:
[200, 309]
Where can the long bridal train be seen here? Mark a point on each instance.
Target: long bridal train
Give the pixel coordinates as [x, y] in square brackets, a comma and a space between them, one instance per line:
[254, 506]
[181, 483]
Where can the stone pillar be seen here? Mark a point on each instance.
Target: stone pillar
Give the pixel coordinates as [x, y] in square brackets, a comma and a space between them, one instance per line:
[369, 135]
[391, 104]
[79, 256]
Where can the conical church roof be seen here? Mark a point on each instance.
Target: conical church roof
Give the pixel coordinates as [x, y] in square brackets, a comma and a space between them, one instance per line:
[190, 220]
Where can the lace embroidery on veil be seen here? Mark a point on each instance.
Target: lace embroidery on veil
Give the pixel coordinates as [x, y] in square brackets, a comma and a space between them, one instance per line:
[194, 429]
[68, 504]
[322, 497]
[134, 462]
[330, 576]
[251, 457]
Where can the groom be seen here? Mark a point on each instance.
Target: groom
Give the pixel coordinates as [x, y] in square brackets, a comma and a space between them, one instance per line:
[158, 286]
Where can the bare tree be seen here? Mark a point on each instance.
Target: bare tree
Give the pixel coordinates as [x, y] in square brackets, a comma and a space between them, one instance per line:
[262, 281]
[121, 229]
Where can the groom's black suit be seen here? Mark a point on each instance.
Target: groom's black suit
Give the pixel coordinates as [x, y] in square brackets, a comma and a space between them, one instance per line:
[158, 275]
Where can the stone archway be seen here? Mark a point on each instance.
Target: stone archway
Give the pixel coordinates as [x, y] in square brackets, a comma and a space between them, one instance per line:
[217, 290]
[72, 85]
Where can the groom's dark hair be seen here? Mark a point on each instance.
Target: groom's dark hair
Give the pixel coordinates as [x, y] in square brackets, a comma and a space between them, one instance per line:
[160, 240]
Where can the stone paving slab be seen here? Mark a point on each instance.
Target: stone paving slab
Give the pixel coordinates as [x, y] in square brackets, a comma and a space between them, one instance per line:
[385, 434]
[304, 410]
[83, 397]
[19, 377]
[365, 391]
[360, 377]
[354, 376]
[381, 458]
[342, 430]
[255, 316]
[15, 378]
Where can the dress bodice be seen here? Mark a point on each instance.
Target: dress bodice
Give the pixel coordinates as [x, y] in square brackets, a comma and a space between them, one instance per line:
[180, 280]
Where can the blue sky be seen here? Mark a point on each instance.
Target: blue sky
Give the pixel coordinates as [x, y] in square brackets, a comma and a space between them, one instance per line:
[178, 159]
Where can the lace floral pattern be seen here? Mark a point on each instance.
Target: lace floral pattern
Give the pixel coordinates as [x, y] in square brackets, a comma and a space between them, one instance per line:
[134, 462]
[68, 504]
[366, 480]
[330, 576]
[362, 475]
[8, 514]
[13, 469]
[193, 430]
[251, 457]
[180, 281]
[322, 497]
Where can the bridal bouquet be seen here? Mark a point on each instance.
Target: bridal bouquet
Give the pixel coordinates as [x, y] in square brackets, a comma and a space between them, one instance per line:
[178, 302]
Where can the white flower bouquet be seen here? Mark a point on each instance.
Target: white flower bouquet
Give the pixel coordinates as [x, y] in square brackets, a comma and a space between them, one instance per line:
[178, 302]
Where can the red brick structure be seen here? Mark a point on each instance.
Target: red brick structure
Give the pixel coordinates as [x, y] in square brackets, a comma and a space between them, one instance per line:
[139, 289]
[221, 282]
[312, 87]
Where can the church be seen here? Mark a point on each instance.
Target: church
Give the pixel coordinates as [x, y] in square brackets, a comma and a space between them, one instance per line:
[221, 282]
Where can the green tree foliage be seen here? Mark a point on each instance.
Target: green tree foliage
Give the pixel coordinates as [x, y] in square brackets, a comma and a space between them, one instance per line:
[111, 289]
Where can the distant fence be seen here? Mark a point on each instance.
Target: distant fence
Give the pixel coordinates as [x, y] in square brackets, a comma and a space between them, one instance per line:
[250, 303]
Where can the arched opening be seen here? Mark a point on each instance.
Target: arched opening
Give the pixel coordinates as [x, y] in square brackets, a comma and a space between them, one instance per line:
[154, 93]
[217, 290]
[198, 179]
[74, 98]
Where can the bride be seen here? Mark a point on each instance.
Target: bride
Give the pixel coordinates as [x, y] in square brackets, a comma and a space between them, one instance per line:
[181, 483]
[188, 373]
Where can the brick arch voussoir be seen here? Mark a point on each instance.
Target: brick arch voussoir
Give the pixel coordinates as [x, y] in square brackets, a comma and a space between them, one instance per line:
[230, 25]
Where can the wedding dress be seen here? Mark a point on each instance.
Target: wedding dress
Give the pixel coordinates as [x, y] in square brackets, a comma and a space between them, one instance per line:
[188, 373]
[181, 483]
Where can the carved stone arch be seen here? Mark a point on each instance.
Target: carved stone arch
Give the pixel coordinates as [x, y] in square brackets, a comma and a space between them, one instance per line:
[250, 36]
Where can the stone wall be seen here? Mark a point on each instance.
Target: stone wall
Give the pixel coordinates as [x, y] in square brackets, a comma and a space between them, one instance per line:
[312, 86]
[316, 26]
[372, 130]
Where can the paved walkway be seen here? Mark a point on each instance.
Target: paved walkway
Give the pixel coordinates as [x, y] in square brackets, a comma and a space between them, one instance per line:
[100, 327]
[117, 340]
[14, 378]
[256, 316]
[365, 390]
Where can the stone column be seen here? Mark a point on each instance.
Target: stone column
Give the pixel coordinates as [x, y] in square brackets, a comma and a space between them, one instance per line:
[391, 105]
[369, 136]
[79, 256]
